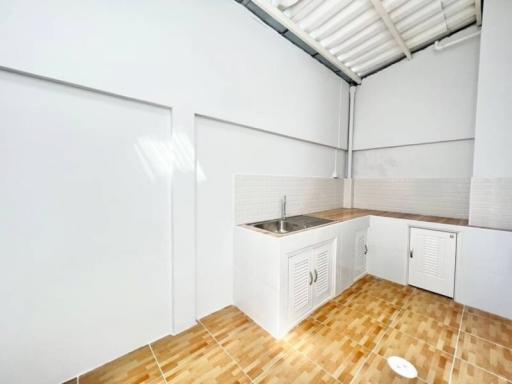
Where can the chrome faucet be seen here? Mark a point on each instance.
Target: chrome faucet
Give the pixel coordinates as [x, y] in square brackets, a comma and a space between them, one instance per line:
[283, 208]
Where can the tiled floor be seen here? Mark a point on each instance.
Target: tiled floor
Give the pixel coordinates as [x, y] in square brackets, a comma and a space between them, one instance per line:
[345, 341]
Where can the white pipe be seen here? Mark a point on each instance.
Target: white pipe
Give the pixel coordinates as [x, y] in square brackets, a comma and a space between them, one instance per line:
[439, 47]
[350, 131]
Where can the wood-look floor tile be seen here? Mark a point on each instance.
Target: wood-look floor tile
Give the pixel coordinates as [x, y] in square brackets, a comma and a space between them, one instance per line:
[253, 349]
[433, 365]
[427, 329]
[485, 354]
[293, 367]
[225, 321]
[194, 357]
[443, 313]
[464, 373]
[365, 282]
[346, 296]
[377, 371]
[393, 293]
[138, 366]
[496, 329]
[351, 323]
[334, 351]
[374, 307]
[426, 297]
[481, 313]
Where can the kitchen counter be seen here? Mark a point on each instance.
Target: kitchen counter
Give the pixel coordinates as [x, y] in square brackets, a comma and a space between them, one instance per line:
[344, 214]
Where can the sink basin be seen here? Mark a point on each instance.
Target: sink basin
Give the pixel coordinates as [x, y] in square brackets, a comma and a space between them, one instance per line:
[290, 224]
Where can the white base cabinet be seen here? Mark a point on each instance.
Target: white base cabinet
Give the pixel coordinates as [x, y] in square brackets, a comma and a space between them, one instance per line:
[280, 280]
[360, 252]
[310, 279]
[432, 260]
[351, 260]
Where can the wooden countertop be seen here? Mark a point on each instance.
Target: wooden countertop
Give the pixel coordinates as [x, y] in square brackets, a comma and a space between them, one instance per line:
[344, 214]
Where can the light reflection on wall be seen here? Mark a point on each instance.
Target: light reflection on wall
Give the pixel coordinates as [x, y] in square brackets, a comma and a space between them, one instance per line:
[162, 157]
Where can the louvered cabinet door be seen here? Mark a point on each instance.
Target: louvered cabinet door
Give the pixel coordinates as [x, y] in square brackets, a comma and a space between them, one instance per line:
[322, 273]
[432, 260]
[300, 281]
[360, 252]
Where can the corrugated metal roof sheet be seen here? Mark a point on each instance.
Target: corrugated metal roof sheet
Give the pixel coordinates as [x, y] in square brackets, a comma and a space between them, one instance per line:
[354, 36]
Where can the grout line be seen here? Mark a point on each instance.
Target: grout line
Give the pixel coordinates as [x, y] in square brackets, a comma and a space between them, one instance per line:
[485, 370]
[488, 341]
[157, 363]
[271, 366]
[377, 344]
[225, 351]
[456, 345]
[313, 361]
[374, 349]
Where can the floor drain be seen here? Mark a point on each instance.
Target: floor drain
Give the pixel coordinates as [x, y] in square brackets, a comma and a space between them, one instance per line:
[402, 367]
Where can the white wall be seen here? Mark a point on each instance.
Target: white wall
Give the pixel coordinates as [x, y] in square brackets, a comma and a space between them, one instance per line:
[85, 228]
[198, 57]
[214, 56]
[223, 150]
[493, 157]
[438, 160]
[415, 121]
[430, 98]
[491, 186]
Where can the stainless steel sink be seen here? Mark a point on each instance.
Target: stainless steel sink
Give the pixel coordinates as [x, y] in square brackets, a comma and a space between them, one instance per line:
[290, 224]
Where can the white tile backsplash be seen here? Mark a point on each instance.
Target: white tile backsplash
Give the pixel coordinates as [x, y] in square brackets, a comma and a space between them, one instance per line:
[447, 197]
[258, 197]
[491, 203]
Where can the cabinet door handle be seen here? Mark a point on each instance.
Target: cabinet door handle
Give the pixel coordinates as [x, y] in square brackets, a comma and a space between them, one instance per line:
[365, 249]
[316, 275]
[411, 253]
[310, 278]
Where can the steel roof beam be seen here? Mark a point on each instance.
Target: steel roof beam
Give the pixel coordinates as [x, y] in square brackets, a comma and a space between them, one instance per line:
[391, 27]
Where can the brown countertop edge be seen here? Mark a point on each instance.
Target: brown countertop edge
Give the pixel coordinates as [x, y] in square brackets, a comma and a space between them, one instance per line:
[340, 215]
[344, 214]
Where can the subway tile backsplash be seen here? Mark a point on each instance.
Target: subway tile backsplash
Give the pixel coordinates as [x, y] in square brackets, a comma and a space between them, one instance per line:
[258, 197]
[491, 203]
[447, 197]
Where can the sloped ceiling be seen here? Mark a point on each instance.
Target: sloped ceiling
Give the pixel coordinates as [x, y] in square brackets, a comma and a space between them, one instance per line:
[356, 38]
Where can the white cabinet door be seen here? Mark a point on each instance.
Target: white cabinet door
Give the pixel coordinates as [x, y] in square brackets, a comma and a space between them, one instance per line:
[432, 260]
[322, 272]
[300, 281]
[360, 251]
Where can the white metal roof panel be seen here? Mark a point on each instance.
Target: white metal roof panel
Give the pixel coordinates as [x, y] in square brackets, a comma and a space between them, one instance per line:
[361, 36]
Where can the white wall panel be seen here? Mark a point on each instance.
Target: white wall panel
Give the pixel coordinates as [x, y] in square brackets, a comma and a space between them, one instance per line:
[427, 99]
[447, 159]
[213, 56]
[493, 157]
[85, 229]
[224, 150]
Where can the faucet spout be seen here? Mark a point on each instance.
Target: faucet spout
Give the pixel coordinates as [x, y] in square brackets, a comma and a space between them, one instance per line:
[283, 208]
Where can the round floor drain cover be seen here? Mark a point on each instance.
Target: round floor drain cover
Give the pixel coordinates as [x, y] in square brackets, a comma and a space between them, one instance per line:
[402, 367]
